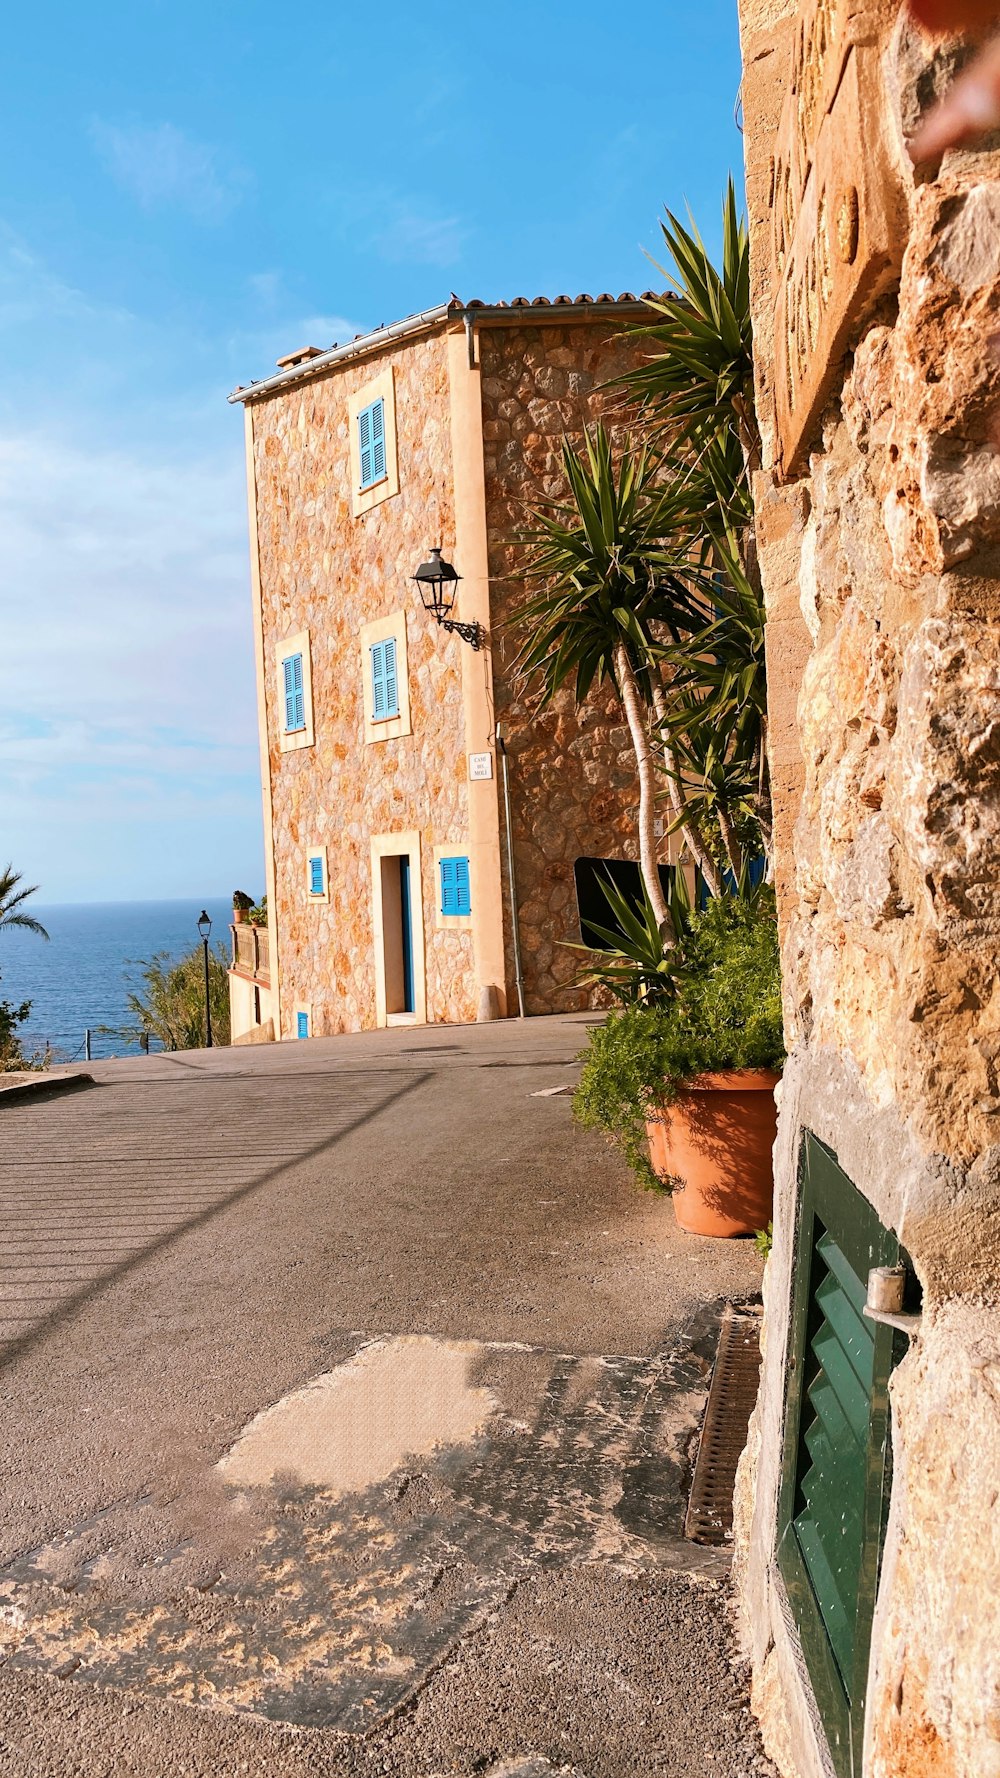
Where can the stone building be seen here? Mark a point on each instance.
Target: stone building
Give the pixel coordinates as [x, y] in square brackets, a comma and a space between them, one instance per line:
[869, 1540]
[386, 822]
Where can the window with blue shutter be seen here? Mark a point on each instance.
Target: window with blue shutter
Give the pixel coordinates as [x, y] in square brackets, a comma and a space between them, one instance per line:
[302, 1024]
[316, 883]
[295, 701]
[455, 893]
[371, 443]
[385, 688]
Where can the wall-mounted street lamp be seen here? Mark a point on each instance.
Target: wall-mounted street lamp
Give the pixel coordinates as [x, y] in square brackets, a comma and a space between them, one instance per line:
[204, 932]
[438, 582]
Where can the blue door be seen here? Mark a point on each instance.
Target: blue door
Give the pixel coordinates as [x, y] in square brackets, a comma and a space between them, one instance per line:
[407, 924]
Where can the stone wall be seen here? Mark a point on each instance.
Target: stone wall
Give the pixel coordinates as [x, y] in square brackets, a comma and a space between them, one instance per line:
[882, 578]
[324, 570]
[572, 772]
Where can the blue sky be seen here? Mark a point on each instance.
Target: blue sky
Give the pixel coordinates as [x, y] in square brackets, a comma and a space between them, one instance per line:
[189, 191]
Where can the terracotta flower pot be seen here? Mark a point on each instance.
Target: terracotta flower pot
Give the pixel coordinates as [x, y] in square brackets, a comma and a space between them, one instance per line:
[239, 915]
[716, 1138]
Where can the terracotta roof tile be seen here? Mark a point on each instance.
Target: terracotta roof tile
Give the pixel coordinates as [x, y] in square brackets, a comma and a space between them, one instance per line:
[564, 301]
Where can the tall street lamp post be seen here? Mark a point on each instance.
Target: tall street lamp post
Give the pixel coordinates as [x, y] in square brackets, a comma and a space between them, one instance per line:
[204, 929]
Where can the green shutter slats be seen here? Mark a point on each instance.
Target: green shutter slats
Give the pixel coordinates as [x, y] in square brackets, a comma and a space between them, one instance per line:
[841, 1552]
[843, 1378]
[841, 1431]
[831, 1605]
[847, 1278]
[834, 1489]
[835, 1461]
[295, 704]
[853, 1334]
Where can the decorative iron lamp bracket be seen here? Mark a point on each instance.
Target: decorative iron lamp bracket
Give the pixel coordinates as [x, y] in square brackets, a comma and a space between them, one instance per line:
[437, 582]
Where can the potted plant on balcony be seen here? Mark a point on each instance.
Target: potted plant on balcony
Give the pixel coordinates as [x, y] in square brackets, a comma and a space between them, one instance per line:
[242, 903]
[684, 1082]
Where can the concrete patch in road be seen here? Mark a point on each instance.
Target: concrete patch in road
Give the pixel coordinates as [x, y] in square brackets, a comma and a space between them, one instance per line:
[278, 1583]
[394, 1402]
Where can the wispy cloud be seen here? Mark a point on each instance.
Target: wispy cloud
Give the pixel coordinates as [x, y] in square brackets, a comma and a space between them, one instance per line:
[399, 226]
[164, 168]
[416, 235]
[29, 290]
[138, 693]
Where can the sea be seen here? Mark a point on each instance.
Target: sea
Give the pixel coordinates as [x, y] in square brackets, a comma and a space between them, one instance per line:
[80, 978]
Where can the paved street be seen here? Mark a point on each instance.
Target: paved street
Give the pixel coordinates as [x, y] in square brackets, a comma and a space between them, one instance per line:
[349, 1396]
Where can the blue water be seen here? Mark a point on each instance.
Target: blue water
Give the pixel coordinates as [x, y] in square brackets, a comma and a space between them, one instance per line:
[80, 977]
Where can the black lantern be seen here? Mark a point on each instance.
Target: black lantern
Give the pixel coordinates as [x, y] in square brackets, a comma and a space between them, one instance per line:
[204, 929]
[438, 583]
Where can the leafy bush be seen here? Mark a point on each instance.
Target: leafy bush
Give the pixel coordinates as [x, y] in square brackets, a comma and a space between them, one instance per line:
[725, 1013]
[170, 1004]
[12, 1057]
[242, 900]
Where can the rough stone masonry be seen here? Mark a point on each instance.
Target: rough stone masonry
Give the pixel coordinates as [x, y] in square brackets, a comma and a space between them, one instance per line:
[878, 514]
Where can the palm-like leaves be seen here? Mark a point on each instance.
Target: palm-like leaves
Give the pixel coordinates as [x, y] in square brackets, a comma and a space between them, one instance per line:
[598, 554]
[12, 900]
[700, 379]
[632, 963]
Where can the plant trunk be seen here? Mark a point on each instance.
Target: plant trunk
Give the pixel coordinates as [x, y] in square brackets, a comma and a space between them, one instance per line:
[635, 717]
[692, 830]
[729, 841]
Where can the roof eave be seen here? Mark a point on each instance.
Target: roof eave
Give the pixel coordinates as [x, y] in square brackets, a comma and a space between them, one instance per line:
[510, 314]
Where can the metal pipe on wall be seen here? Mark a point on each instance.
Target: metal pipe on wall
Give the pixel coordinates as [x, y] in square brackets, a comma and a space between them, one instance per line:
[515, 923]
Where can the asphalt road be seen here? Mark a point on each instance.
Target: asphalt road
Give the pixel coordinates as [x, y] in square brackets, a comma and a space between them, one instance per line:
[480, 1354]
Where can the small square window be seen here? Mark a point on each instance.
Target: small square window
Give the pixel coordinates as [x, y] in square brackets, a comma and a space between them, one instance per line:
[456, 896]
[371, 443]
[302, 1024]
[295, 700]
[385, 683]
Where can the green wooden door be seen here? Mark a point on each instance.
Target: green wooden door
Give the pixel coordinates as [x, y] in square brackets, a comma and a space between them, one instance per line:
[836, 1456]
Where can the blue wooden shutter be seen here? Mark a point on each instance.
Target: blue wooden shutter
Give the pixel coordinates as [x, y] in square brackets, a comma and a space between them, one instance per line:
[371, 443]
[377, 411]
[295, 703]
[385, 686]
[389, 677]
[365, 445]
[455, 892]
[377, 656]
[316, 876]
[302, 1024]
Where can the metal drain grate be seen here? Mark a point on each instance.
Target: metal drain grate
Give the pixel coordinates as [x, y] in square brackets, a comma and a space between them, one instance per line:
[731, 1400]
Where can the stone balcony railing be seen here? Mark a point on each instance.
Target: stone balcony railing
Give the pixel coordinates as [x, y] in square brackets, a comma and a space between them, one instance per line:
[250, 953]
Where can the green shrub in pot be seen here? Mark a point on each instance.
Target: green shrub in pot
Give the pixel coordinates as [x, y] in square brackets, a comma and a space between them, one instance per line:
[725, 1013]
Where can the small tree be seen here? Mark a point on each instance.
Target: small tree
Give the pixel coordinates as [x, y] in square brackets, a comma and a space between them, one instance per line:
[12, 1056]
[170, 1004]
[12, 914]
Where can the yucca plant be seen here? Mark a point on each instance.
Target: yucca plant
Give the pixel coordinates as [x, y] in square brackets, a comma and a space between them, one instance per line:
[632, 963]
[604, 591]
[698, 383]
